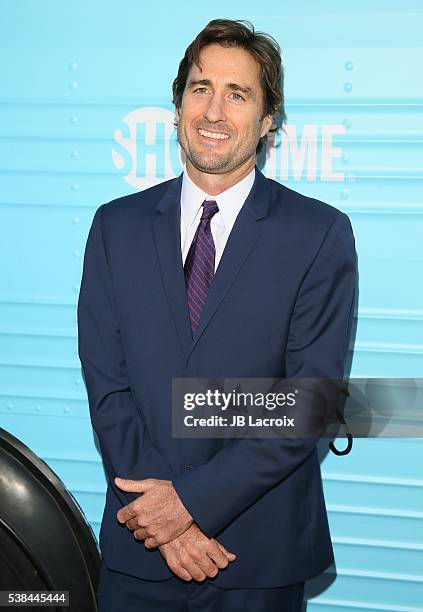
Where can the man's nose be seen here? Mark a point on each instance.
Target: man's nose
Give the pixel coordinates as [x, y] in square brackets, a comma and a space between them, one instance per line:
[215, 110]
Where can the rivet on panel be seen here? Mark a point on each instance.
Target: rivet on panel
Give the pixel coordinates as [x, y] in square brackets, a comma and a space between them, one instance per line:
[38, 408]
[349, 65]
[74, 153]
[75, 187]
[344, 194]
[73, 65]
[75, 220]
[66, 410]
[345, 158]
[73, 85]
[77, 382]
[10, 406]
[75, 288]
[75, 253]
[347, 124]
[347, 87]
[74, 119]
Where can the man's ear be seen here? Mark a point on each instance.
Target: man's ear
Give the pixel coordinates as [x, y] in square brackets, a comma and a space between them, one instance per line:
[267, 124]
[176, 120]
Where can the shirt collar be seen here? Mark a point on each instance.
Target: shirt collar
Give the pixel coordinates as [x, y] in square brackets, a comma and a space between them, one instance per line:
[229, 202]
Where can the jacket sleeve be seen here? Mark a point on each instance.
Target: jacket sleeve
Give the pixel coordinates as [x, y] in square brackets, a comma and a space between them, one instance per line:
[245, 469]
[125, 444]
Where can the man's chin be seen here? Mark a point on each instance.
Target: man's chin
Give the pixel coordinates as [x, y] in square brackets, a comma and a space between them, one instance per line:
[211, 165]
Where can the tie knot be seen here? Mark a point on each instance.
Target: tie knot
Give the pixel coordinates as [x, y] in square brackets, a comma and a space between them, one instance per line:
[210, 208]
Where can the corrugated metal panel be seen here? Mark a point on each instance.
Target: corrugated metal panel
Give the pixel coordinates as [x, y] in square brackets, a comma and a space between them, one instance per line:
[74, 72]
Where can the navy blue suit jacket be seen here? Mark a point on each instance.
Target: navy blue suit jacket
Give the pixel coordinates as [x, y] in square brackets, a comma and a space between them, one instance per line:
[280, 305]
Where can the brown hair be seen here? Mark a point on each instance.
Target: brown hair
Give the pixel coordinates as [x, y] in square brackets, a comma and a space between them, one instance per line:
[262, 46]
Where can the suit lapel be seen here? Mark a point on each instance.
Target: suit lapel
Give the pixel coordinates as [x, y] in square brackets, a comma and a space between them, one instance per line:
[167, 234]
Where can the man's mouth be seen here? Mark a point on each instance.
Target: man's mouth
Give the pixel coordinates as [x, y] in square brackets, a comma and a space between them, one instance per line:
[215, 135]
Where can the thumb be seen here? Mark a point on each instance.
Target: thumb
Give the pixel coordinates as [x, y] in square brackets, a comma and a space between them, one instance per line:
[135, 486]
[229, 555]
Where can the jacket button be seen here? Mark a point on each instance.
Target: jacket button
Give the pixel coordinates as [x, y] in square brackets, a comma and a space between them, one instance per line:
[187, 467]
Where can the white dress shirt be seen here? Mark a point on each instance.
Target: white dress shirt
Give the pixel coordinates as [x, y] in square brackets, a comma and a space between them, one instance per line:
[229, 202]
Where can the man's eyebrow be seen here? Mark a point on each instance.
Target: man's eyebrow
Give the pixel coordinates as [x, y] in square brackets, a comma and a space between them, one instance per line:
[244, 88]
[194, 82]
[235, 86]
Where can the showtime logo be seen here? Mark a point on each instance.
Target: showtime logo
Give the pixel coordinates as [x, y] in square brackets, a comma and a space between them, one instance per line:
[150, 152]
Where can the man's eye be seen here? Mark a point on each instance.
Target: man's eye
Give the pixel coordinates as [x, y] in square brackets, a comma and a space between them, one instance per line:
[237, 96]
[200, 90]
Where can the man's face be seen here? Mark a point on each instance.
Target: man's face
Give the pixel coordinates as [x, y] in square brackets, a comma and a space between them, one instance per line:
[220, 119]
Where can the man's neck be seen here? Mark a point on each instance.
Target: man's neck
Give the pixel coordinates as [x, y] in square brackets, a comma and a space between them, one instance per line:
[213, 184]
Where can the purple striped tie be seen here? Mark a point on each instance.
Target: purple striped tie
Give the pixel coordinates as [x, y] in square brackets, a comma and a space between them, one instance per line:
[199, 264]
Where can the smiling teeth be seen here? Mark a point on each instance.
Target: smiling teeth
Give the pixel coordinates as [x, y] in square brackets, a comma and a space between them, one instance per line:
[216, 135]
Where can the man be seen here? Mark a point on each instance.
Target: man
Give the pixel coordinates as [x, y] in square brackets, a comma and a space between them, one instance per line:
[217, 273]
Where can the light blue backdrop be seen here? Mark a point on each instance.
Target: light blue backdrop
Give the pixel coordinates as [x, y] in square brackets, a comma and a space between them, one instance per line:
[70, 73]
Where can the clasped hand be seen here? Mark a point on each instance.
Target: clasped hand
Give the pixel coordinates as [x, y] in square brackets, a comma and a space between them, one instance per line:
[158, 515]
[160, 518]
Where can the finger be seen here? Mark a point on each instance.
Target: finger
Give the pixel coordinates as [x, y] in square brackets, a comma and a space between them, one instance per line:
[217, 555]
[152, 543]
[125, 514]
[139, 534]
[229, 555]
[175, 566]
[182, 573]
[134, 486]
[133, 524]
[207, 566]
[192, 568]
